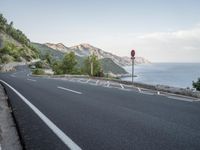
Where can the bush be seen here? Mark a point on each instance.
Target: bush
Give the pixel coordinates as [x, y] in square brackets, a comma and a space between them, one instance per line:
[39, 64]
[7, 58]
[66, 66]
[38, 72]
[57, 68]
[196, 84]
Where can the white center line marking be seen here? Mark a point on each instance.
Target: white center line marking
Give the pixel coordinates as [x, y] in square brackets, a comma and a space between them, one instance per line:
[31, 80]
[147, 93]
[63, 137]
[59, 87]
[71, 79]
[122, 86]
[13, 75]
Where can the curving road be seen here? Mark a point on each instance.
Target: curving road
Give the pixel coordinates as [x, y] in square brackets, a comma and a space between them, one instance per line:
[83, 114]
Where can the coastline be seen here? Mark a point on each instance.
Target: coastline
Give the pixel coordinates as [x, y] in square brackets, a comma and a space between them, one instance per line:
[173, 74]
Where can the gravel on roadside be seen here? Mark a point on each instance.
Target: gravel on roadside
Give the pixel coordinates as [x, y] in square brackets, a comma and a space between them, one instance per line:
[9, 139]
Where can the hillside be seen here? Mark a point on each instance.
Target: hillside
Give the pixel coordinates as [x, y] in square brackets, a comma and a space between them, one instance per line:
[84, 50]
[107, 64]
[43, 50]
[14, 45]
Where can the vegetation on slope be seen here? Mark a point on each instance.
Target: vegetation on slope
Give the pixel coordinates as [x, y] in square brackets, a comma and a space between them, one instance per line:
[68, 65]
[109, 66]
[43, 50]
[92, 66]
[106, 64]
[14, 45]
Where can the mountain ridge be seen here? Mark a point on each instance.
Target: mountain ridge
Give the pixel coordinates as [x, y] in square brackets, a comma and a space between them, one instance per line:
[108, 66]
[86, 49]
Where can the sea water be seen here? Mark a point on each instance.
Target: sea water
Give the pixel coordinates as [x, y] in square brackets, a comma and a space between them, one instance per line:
[172, 74]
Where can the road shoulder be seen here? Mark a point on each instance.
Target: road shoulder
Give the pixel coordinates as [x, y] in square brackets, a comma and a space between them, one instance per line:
[9, 139]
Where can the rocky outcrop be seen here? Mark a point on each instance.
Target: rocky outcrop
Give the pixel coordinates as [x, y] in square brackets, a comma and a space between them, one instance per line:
[61, 47]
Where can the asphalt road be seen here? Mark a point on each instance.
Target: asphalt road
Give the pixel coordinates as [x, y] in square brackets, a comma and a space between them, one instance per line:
[90, 117]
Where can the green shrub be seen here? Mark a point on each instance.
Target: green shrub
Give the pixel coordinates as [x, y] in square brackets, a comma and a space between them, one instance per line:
[196, 84]
[7, 58]
[38, 72]
[57, 68]
[39, 64]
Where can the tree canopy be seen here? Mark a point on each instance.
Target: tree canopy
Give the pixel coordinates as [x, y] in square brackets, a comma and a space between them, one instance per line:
[196, 84]
[92, 66]
[67, 65]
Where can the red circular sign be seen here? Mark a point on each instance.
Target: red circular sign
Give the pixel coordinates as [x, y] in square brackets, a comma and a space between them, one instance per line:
[133, 53]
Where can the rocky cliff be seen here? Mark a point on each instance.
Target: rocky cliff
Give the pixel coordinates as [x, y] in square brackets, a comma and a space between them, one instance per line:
[84, 50]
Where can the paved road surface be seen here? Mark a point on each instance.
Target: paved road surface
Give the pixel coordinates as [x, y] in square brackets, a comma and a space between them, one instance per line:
[87, 116]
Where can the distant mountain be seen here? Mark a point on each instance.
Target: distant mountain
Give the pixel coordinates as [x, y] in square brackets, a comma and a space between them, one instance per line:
[107, 64]
[84, 50]
[44, 49]
[60, 47]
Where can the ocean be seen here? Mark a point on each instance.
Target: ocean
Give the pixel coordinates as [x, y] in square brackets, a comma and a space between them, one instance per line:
[172, 74]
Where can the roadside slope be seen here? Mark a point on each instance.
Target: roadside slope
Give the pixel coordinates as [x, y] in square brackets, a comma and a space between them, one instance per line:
[9, 139]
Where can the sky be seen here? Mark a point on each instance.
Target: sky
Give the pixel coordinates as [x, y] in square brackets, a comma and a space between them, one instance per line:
[159, 30]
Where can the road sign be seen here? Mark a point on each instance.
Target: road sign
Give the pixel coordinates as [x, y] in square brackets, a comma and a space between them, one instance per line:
[133, 53]
[132, 57]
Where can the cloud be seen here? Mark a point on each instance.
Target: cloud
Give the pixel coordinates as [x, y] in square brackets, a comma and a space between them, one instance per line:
[176, 46]
[169, 46]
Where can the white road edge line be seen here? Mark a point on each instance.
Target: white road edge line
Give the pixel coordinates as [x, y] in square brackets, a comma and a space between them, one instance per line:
[180, 98]
[63, 137]
[87, 80]
[108, 84]
[122, 86]
[59, 87]
[139, 89]
[97, 82]
[31, 80]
